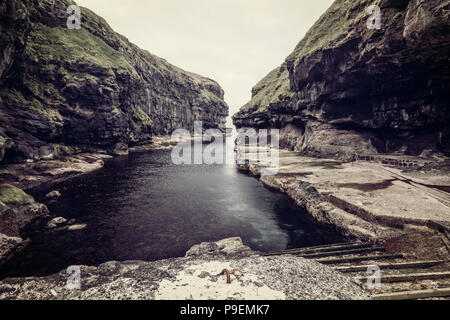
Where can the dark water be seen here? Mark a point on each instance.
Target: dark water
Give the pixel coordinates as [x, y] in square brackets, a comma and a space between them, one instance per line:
[142, 207]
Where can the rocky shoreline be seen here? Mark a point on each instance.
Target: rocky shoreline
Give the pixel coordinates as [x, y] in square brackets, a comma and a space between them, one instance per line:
[196, 276]
[365, 143]
[369, 201]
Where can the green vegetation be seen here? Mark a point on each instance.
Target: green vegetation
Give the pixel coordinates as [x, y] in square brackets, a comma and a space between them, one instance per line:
[48, 45]
[15, 97]
[94, 22]
[141, 120]
[77, 77]
[332, 27]
[209, 97]
[275, 87]
[12, 196]
[330, 30]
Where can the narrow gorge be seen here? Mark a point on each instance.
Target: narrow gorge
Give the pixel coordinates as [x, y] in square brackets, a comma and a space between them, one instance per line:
[69, 99]
[88, 178]
[373, 105]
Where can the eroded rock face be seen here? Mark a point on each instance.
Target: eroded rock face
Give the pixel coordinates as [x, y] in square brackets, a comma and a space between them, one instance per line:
[17, 209]
[348, 90]
[8, 245]
[66, 91]
[196, 276]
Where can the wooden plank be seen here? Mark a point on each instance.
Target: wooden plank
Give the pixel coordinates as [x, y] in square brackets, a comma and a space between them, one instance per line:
[331, 245]
[317, 247]
[338, 248]
[410, 277]
[334, 247]
[417, 294]
[363, 258]
[339, 253]
[444, 226]
[401, 265]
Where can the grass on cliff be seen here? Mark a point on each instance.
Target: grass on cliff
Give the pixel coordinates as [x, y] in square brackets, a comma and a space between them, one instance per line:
[273, 88]
[16, 98]
[141, 120]
[48, 45]
[331, 28]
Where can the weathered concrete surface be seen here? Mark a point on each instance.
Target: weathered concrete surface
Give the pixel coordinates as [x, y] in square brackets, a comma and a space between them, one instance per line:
[196, 276]
[367, 200]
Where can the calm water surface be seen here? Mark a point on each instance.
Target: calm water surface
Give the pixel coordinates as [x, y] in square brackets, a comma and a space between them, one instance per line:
[142, 207]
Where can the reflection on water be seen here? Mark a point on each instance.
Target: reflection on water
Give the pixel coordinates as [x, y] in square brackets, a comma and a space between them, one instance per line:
[142, 207]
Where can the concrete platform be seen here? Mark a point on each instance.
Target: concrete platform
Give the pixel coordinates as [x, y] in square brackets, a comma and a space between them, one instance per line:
[379, 195]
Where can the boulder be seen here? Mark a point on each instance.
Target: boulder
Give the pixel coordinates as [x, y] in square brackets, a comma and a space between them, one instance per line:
[8, 245]
[17, 209]
[55, 222]
[54, 195]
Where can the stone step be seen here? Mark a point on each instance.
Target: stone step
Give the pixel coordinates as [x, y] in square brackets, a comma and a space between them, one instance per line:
[417, 294]
[409, 277]
[325, 248]
[360, 258]
[401, 265]
[340, 253]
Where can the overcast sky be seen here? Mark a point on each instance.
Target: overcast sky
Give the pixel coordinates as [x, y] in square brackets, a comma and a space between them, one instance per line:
[235, 42]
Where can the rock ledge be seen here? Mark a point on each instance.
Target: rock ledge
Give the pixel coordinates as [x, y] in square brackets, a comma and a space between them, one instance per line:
[196, 276]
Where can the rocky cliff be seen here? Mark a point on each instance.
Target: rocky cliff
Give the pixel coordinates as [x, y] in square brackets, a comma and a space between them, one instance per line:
[350, 90]
[65, 91]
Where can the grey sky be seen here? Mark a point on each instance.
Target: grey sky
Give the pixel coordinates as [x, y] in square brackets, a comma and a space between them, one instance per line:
[235, 42]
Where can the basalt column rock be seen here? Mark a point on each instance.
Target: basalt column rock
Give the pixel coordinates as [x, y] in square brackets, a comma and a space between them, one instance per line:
[348, 89]
[65, 91]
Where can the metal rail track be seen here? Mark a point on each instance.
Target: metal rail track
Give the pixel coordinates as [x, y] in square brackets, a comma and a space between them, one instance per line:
[359, 253]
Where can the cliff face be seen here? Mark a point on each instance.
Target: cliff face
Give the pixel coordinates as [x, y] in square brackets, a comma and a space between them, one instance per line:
[348, 90]
[65, 91]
